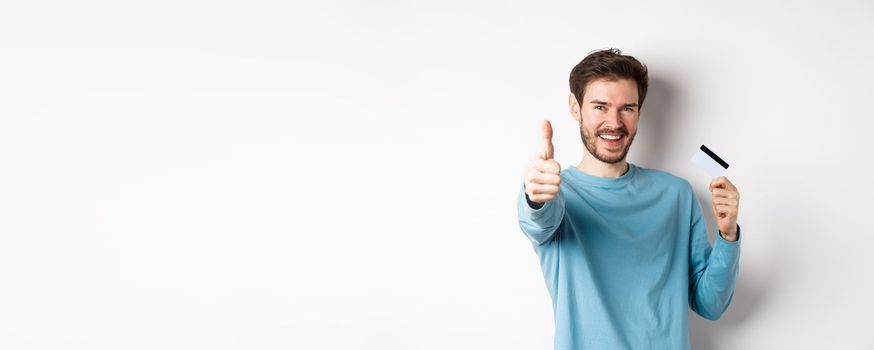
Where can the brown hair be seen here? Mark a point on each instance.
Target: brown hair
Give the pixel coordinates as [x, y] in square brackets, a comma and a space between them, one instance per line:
[608, 64]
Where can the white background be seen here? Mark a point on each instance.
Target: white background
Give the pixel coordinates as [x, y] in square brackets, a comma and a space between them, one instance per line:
[343, 175]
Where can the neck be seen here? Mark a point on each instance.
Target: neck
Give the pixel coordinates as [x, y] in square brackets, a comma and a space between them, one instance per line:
[592, 166]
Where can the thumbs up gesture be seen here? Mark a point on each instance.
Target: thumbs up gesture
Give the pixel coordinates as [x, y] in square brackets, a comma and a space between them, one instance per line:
[543, 179]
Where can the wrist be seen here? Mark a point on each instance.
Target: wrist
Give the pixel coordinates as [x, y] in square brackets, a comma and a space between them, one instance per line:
[532, 204]
[730, 236]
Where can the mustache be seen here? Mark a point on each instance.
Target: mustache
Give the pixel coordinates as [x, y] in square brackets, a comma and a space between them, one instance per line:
[620, 131]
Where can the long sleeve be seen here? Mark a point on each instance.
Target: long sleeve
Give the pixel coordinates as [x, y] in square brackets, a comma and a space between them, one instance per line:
[540, 224]
[713, 271]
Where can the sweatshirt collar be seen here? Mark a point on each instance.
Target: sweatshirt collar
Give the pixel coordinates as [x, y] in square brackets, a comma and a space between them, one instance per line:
[608, 182]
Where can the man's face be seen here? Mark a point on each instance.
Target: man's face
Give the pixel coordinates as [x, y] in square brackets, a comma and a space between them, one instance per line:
[609, 110]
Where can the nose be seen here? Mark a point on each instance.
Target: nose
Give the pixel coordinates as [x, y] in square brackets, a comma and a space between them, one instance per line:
[614, 119]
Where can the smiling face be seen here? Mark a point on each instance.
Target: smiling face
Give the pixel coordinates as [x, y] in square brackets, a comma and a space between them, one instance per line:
[608, 118]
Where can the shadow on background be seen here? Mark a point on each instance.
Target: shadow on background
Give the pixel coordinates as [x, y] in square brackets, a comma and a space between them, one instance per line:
[654, 132]
[658, 121]
[756, 283]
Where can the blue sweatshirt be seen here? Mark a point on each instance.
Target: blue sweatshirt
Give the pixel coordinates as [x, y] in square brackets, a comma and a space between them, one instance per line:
[622, 257]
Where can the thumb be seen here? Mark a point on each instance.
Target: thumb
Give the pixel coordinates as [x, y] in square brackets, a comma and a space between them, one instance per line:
[547, 151]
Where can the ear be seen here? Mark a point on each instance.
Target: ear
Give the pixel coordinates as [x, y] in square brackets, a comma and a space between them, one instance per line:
[574, 106]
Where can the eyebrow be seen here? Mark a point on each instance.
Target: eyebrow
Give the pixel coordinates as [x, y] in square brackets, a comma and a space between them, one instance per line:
[597, 102]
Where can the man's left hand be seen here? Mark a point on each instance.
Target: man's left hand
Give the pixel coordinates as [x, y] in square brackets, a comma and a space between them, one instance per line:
[725, 202]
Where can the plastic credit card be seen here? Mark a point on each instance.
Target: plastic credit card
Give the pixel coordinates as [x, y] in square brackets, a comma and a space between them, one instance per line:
[709, 162]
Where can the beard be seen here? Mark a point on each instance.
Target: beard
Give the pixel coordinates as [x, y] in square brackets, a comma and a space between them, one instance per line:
[591, 142]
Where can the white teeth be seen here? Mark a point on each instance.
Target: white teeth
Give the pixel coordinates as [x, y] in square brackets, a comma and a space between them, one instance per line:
[609, 137]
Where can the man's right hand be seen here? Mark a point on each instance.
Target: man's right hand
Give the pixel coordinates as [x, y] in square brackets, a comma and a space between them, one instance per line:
[544, 177]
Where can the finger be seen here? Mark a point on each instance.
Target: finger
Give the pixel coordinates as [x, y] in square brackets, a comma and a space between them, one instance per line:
[544, 189]
[722, 182]
[720, 192]
[719, 211]
[546, 179]
[547, 151]
[728, 185]
[531, 175]
[726, 209]
[718, 182]
[725, 201]
[541, 198]
[549, 167]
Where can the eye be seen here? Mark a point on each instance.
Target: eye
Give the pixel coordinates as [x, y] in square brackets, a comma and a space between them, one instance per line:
[629, 109]
[599, 107]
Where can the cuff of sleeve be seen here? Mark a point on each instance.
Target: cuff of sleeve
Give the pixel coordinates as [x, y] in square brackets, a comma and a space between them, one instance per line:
[721, 240]
[725, 254]
[536, 213]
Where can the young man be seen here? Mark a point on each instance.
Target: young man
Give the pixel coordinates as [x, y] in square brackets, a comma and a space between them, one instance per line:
[623, 248]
